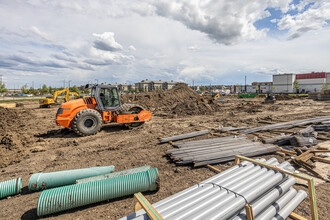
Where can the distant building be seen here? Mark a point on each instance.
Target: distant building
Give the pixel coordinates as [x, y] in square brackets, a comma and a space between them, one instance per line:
[307, 82]
[148, 85]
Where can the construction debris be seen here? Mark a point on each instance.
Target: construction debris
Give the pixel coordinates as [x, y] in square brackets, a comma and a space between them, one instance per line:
[184, 136]
[306, 159]
[320, 96]
[211, 151]
[324, 127]
[279, 140]
[289, 124]
[224, 195]
[302, 138]
[300, 141]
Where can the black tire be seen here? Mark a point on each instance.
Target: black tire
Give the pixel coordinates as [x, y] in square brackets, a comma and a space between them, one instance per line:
[87, 122]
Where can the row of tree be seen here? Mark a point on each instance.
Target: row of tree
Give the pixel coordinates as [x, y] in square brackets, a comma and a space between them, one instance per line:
[44, 89]
[50, 90]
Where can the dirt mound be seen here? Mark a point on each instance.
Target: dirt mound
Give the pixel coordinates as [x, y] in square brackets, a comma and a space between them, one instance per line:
[180, 100]
[286, 97]
[13, 135]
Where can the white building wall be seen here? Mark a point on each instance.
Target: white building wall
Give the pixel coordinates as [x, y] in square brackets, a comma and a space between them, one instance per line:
[311, 85]
[283, 83]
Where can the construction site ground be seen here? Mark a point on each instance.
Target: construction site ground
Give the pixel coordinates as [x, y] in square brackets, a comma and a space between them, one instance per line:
[31, 142]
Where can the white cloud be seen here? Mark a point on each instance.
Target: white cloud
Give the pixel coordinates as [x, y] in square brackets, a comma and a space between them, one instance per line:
[39, 33]
[106, 41]
[132, 48]
[314, 18]
[226, 22]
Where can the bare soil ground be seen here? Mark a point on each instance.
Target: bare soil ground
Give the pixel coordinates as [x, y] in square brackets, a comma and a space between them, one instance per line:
[30, 142]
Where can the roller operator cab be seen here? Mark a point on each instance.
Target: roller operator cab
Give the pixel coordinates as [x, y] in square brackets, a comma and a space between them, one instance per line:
[87, 115]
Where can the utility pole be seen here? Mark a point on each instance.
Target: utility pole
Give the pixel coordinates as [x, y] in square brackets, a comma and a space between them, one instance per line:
[97, 81]
[245, 84]
[69, 83]
[32, 84]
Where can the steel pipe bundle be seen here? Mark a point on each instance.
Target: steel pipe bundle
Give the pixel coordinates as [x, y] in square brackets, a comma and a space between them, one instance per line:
[10, 187]
[40, 181]
[183, 136]
[72, 196]
[217, 150]
[289, 124]
[224, 195]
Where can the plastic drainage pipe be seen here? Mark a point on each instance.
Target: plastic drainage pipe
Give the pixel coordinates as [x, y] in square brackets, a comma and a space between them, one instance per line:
[292, 205]
[276, 206]
[115, 174]
[68, 197]
[10, 187]
[40, 181]
[267, 199]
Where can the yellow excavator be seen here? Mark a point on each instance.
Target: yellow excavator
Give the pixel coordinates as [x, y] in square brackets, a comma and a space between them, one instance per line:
[52, 100]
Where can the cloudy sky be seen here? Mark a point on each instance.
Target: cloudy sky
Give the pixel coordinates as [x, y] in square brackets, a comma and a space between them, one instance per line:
[125, 41]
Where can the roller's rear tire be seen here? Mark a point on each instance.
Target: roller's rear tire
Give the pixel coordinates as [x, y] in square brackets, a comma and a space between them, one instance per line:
[87, 122]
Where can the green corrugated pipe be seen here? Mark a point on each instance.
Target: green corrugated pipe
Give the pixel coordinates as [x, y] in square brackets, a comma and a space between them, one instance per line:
[115, 174]
[68, 197]
[10, 187]
[61, 178]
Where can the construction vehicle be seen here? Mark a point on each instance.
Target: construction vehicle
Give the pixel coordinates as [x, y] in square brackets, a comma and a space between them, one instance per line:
[86, 116]
[270, 99]
[52, 100]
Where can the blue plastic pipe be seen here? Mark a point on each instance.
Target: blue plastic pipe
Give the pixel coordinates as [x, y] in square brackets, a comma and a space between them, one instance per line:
[40, 181]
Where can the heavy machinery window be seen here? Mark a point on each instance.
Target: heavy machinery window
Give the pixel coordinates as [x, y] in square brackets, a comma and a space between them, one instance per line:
[109, 97]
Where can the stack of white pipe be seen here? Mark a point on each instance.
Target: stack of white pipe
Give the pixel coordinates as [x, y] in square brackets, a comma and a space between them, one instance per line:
[224, 195]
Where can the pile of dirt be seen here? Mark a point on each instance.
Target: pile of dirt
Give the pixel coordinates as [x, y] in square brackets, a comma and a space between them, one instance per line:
[181, 100]
[13, 135]
[285, 97]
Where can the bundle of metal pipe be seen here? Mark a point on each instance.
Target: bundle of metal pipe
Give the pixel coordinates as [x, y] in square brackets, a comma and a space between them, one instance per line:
[289, 124]
[224, 195]
[217, 150]
[183, 136]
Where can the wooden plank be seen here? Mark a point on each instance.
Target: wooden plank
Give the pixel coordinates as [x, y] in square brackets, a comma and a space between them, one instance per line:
[148, 208]
[324, 160]
[290, 152]
[249, 212]
[213, 168]
[296, 216]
